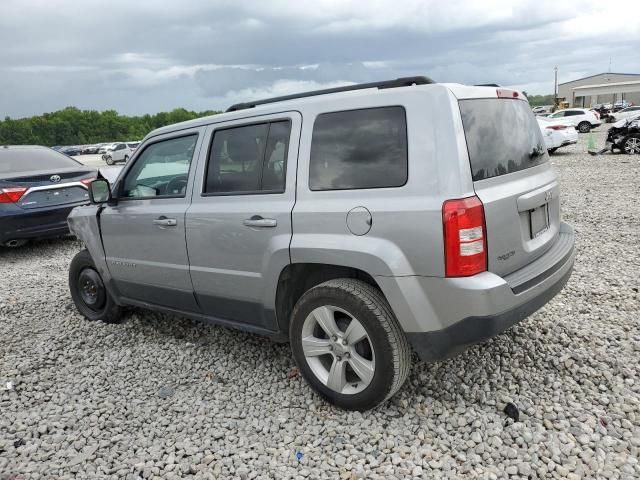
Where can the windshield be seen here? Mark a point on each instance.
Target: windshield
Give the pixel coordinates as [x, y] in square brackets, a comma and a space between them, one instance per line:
[502, 136]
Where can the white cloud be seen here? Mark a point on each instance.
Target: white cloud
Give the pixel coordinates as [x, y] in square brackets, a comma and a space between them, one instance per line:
[153, 55]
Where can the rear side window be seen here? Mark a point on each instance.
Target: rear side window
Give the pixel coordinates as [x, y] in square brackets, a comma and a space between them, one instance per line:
[359, 149]
[502, 135]
[250, 158]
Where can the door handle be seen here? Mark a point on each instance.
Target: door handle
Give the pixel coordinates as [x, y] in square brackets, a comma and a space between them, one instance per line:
[258, 221]
[165, 222]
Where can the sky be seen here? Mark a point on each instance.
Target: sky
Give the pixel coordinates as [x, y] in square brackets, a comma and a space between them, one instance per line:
[145, 56]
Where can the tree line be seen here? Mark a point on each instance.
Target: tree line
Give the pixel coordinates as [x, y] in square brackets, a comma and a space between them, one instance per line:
[73, 126]
[539, 100]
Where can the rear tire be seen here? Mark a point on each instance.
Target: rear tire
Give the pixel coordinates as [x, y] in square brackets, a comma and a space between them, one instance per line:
[584, 127]
[552, 150]
[126, 158]
[364, 363]
[89, 294]
[631, 144]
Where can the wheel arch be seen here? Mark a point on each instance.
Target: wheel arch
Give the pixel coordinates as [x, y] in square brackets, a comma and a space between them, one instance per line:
[296, 278]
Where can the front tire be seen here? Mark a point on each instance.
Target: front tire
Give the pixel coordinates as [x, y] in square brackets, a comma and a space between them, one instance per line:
[631, 144]
[552, 150]
[584, 127]
[126, 158]
[89, 294]
[348, 344]
[109, 160]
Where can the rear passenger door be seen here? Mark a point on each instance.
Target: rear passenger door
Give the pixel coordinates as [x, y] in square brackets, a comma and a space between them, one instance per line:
[239, 223]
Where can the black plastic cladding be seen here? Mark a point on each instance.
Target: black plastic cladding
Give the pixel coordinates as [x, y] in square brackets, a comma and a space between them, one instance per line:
[398, 82]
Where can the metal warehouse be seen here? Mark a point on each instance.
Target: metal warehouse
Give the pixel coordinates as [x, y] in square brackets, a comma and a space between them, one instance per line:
[601, 88]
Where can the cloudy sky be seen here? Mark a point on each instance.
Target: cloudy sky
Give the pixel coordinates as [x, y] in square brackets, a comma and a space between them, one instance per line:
[144, 56]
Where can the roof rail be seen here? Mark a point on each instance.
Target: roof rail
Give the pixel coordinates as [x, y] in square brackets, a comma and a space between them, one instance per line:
[398, 82]
[486, 85]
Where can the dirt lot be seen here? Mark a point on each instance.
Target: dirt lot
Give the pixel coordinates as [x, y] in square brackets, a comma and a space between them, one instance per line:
[164, 397]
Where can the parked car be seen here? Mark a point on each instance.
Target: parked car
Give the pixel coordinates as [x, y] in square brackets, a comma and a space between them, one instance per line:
[71, 151]
[603, 112]
[119, 152]
[621, 105]
[356, 223]
[628, 112]
[542, 109]
[106, 146]
[624, 135]
[581, 118]
[38, 189]
[557, 134]
[91, 149]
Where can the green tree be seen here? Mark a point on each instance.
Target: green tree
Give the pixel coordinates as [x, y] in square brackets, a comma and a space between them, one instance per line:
[72, 126]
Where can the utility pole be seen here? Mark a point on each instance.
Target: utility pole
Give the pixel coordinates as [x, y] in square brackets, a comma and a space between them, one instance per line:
[555, 88]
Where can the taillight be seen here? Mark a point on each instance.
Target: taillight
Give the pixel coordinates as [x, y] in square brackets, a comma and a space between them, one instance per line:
[557, 127]
[506, 93]
[465, 246]
[87, 181]
[11, 194]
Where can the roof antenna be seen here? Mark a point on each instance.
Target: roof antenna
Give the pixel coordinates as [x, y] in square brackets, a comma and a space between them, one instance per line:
[609, 64]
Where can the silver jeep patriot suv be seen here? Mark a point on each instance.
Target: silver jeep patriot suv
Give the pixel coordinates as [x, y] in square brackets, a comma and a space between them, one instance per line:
[357, 223]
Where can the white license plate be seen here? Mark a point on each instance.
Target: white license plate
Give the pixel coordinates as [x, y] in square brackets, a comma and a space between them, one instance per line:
[539, 221]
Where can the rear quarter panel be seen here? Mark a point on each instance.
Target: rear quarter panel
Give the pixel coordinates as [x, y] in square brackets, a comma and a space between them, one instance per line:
[406, 232]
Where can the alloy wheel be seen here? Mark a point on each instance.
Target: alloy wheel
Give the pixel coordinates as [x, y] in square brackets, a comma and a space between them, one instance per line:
[632, 145]
[338, 350]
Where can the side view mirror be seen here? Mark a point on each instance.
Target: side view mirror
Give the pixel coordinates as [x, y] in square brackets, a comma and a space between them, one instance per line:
[99, 191]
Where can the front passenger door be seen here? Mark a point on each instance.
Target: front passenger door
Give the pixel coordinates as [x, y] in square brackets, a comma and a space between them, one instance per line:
[144, 233]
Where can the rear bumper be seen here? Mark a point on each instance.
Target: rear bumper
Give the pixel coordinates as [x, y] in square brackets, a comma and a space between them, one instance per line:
[443, 316]
[440, 344]
[17, 223]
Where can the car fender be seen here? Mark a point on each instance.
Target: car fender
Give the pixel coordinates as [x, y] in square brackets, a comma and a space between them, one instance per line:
[85, 225]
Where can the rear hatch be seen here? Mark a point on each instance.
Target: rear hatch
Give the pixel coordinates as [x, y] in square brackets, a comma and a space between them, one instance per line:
[513, 179]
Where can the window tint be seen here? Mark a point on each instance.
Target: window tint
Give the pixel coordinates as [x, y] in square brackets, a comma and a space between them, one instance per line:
[162, 169]
[359, 149]
[573, 113]
[249, 158]
[503, 136]
[25, 159]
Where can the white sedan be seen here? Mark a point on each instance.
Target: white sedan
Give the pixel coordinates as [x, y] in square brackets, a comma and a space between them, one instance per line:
[625, 113]
[557, 133]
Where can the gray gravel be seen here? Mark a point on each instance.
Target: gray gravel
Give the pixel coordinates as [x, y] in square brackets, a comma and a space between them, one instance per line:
[165, 397]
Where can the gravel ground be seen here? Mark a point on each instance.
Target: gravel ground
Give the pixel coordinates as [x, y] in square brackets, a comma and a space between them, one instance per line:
[164, 397]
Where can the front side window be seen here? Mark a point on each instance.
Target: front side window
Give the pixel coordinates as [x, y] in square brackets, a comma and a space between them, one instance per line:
[249, 158]
[161, 170]
[357, 149]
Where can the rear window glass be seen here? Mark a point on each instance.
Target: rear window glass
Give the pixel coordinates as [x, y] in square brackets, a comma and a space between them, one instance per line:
[502, 136]
[31, 159]
[359, 149]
